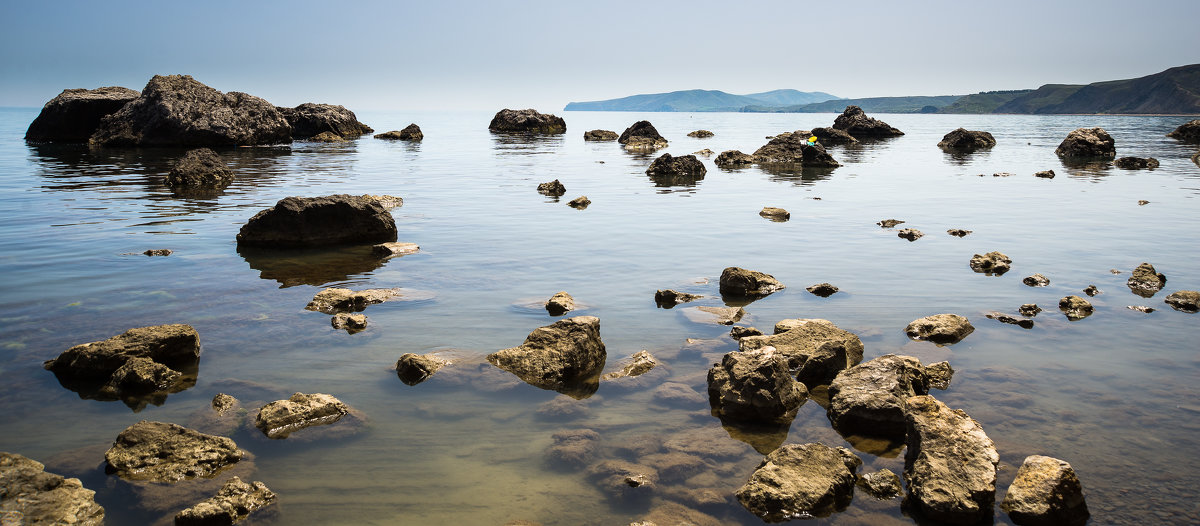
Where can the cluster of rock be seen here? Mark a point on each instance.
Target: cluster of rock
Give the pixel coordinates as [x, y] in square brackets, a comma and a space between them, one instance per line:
[526, 121]
[793, 148]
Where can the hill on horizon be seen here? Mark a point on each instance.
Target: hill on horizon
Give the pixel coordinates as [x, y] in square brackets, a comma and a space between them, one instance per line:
[700, 100]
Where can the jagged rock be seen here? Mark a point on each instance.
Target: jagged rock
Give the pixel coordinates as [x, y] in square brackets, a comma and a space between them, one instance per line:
[281, 418]
[167, 453]
[600, 135]
[910, 234]
[529, 121]
[200, 168]
[717, 315]
[1046, 492]
[387, 250]
[1184, 300]
[856, 123]
[963, 139]
[574, 448]
[327, 136]
[667, 165]
[739, 282]
[823, 290]
[30, 495]
[1087, 143]
[1136, 163]
[352, 323]
[309, 120]
[939, 375]
[580, 202]
[667, 298]
[223, 402]
[700, 134]
[566, 356]
[640, 363]
[942, 329]
[650, 139]
[817, 350]
[163, 252]
[412, 132]
[738, 333]
[889, 223]
[755, 386]
[1145, 281]
[176, 110]
[1091, 291]
[991, 264]
[416, 368]
[1186, 132]
[809, 480]
[560, 303]
[868, 399]
[621, 479]
[1024, 323]
[387, 201]
[137, 363]
[336, 300]
[1029, 310]
[553, 188]
[949, 464]
[882, 484]
[235, 501]
[958, 232]
[775, 214]
[733, 158]
[1075, 308]
[793, 148]
[703, 153]
[75, 114]
[832, 136]
[1036, 280]
[319, 221]
[1045, 174]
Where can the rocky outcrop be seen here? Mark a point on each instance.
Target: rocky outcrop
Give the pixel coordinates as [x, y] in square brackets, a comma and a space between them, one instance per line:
[832, 136]
[700, 134]
[869, 398]
[775, 214]
[809, 480]
[668, 165]
[75, 114]
[1075, 307]
[416, 368]
[200, 168]
[351, 323]
[642, 135]
[942, 329]
[963, 139]
[412, 132]
[742, 283]
[817, 350]
[667, 298]
[235, 501]
[579, 203]
[30, 495]
[1186, 132]
[856, 123]
[527, 121]
[176, 110]
[167, 453]
[1136, 163]
[1145, 281]
[793, 148]
[910, 234]
[823, 290]
[1036, 280]
[991, 264]
[600, 135]
[319, 221]
[560, 303]
[1046, 492]
[553, 188]
[139, 363]
[640, 363]
[732, 159]
[1184, 300]
[949, 464]
[1087, 143]
[309, 120]
[338, 300]
[281, 418]
[566, 356]
[755, 386]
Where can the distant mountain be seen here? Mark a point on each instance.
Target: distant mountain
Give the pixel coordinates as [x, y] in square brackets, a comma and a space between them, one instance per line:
[983, 102]
[697, 100]
[1176, 90]
[790, 97]
[1036, 100]
[874, 104]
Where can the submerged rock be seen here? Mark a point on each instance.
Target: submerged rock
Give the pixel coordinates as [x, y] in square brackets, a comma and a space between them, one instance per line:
[869, 398]
[392, 249]
[566, 356]
[942, 329]
[1186, 132]
[717, 315]
[624, 480]
[755, 386]
[910, 234]
[336, 300]
[1085, 143]
[235, 501]
[963, 139]
[856, 123]
[1029, 310]
[139, 363]
[1184, 300]
[319, 221]
[889, 223]
[667, 165]
[1145, 281]
[823, 290]
[281, 418]
[733, 158]
[600, 135]
[1046, 492]
[991, 264]
[75, 114]
[817, 350]
[167, 453]
[574, 448]
[1024, 323]
[1036, 280]
[775, 214]
[553, 188]
[793, 148]
[30, 495]
[958, 232]
[801, 481]
[528, 121]
[327, 136]
[739, 282]
[640, 363]
[649, 137]
[700, 134]
[1045, 174]
[949, 465]
[580, 202]
[1136, 163]
[416, 368]
[412, 132]
[667, 298]
[352, 323]
[309, 120]
[1075, 307]
[703, 153]
[200, 168]
[560, 303]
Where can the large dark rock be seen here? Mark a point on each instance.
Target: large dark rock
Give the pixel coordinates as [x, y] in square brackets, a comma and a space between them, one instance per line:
[817, 350]
[74, 114]
[176, 110]
[309, 119]
[1186, 132]
[856, 123]
[141, 364]
[793, 148]
[809, 480]
[755, 386]
[832, 136]
[1046, 492]
[529, 121]
[1184, 300]
[412, 132]
[646, 131]
[991, 264]
[600, 135]
[741, 283]
[235, 501]
[964, 139]
[319, 221]
[1087, 143]
[949, 464]
[732, 159]
[416, 368]
[869, 398]
[281, 418]
[942, 329]
[30, 495]
[667, 165]
[200, 168]
[1145, 281]
[566, 356]
[167, 453]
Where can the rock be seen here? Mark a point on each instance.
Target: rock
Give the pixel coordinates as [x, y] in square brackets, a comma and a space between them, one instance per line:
[651, 138]
[281, 418]
[889, 223]
[553, 188]
[992, 263]
[560, 303]
[1196, 158]
[336, 300]
[801, 481]
[416, 368]
[1085, 143]
[1091, 291]
[1036, 280]
[640, 363]
[393, 249]
[1145, 281]
[1029, 310]
[1075, 308]
[327, 136]
[738, 333]
[667, 298]
[1186, 132]
[667, 165]
[527, 121]
[167, 453]
[939, 375]
[319, 221]
[1047, 174]
[962, 139]
[600, 135]
[670, 513]
[678, 395]
[309, 120]
[1024, 323]
[620, 479]
[1184, 300]
[1046, 492]
[176, 110]
[777, 215]
[882, 484]
[138, 363]
[566, 356]
[1143, 202]
[412, 132]
[235, 501]
[163, 252]
[642, 144]
[580, 202]
[733, 158]
[1140, 308]
[958, 232]
[942, 329]
[910, 234]
[75, 114]
[1136, 163]
[739, 282]
[200, 168]
[755, 386]
[223, 402]
[868, 399]
[856, 123]
[823, 290]
[817, 350]
[30, 495]
[700, 134]
[574, 448]
[387, 201]
[949, 465]
[1000, 174]
[704, 153]
[793, 148]
[717, 315]
[832, 136]
[352, 323]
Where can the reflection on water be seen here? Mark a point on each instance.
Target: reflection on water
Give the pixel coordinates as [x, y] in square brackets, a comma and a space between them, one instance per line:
[687, 180]
[317, 267]
[526, 143]
[965, 157]
[796, 174]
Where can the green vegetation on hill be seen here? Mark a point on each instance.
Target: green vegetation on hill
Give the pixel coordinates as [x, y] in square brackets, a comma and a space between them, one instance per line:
[699, 100]
[1176, 90]
[984, 102]
[869, 105]
[1040, 98]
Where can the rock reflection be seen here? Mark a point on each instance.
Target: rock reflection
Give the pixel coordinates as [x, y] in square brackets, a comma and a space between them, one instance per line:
[1088, 168]
[763, 437]
[525, 143]
[860, 151]
[796, 174]
[317, 267]
[676, 180]
[965, 157]
[137, 400]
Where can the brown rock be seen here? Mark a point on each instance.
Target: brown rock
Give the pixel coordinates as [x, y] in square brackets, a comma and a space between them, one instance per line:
[991, 264]
[235, 501]
[30, 495]
[733, 158]
[416, 368]
[817, 350]
[566, 356]
[1184, 300]
[200, 168]
[560, 303]
[580, 202]
[740, 282]
[1136, 163]
[949, 464]
[1075, 307]
[167, 453]
[1046, 492]
[335, 300]
[1085, 143]
[281, 418]
[528, 121]
[552, 188]
[310, 120]
[1145, 281]
[963, 139]
[700, 134]
[809, 480]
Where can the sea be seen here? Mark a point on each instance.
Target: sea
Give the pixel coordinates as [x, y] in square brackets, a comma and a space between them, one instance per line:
[1115, 394]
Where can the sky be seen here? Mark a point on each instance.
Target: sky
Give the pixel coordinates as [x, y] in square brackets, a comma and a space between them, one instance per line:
[487, 55]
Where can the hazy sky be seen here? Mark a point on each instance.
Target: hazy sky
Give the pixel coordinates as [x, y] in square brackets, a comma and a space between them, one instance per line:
[542, 54]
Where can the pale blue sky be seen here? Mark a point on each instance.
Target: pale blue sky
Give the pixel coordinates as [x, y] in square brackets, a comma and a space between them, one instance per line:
[543, 54]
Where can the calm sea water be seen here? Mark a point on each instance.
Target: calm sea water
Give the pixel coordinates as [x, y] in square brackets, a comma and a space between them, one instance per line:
[1116, 394]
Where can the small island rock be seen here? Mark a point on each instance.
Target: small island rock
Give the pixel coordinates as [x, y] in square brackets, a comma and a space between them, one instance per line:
[560, 356]
[642, 135]
[1036, 280]
[1186, 132]
[580, 202]
[991, 264]
[527, 121]
[338, 300]
[1075, 307]
[667, 298]
[1136, 163]
[668, 165]
[855, 122]
[560, 303]
[553, 188]
[732, 158]
[942, 329]
[700, 134]
[775, 214]
[412, 132]
[740, 282]
[1085, 143]
[235, 501]
[1184, 300]
[823, 290]
[319, 221]
[910, 234]
[1145, 281]
[963, 139]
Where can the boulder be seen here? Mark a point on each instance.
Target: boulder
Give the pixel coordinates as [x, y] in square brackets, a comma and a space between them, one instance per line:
[579, 203]
[700, 134]
[560, 303]
[991, 264]
[1029, 310]
[1186, 132]
[823, 290]
[775, 214]
[319, 221]
[949, 464]
[1046, 492]
[337, 300]
[856, 123]
[650, 137]
[869, 398]
[235, 501]
[667, 298]
[75, 114]
[732, 159]
[416, 368]
[1087, 143]
[600, 135]
[1045, 174]
[889, 223]
[200, 168]
[755, 387]
[963, 139]
[795, 481]
[942, 329]
[1075, 307]
[281, 418]
[327, 136]
[882, 484]
[393, 249]
[1145, 281]
[1184, 300]
[526, 121]
[958, 232]
[793, 148]
[352, 323]
[668, 165]
[566, 356]
[30, 495]
[1136, 163]
[640, 363]
[1091, 290]
[742, 283]
[817, 350]
[168, 453]
[553, 188]
[309, 119]
[140, 362]
[176, 110]
[910, 234]
[412, 132]
[832, 136]
[1036, 280]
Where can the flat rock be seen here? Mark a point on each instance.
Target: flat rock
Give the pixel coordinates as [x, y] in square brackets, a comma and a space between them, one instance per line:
[580, 202]
[991, 264]
[1136, 163]
[553, 188]
[703, 153]
[30, 495]
[855, 122]
[794, 149]
[738, 333]
[739, 282]
[527, 121]
[75, 114]
[869, 398]
[1145, 281]
[327, 136]
[733, 158]
[393, 249]
[1075, 307]
[416, 368]
[200, 168]
[141, 362]
[310, 119]
[700, 134]
[338, 300]
[1036, 280]
[889, 223]
[816, 349]
[281, 418]
[1046, 492]
[678, 395]
[600, 135]
[412, 132]
[387, 201]
[319, 221]
[775, 214]
[167, 453]
[715, 315]
[235, 501]
[949, 464]
[755, 386]
[560, 303]
[942, 329]
[667, 298]
[566, 356]
[1044, 174]
[1186, 132]
[1085, 143]
[963, 139]
[1024, 323]
[801, 481]
[1184, 300]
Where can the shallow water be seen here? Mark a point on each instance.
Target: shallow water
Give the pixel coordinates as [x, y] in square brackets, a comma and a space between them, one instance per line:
[1115, 394]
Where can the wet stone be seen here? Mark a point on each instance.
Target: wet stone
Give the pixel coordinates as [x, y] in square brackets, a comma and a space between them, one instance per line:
[281, 418]
[1024, 323]
[755, 386]
[991, 264]
[1145, 281]
[560, 303]
[889, 223]
[336, 300]
[394, 249]
[235, 501]
[738, 333]
[740, 282]
[640, 363]
[667, 298]
[717, 315]
[416, 368]
[1143, 202]
[942, 329]
[574, 448]
[580, 202]
[910, 234]
[882, 484]
[1045, 492]
[1075, 307]
[775, 214]
[1141, 308]
[958, 232]
[823, 290]
[1036, 280]
[949, 464]
[1046, 174]
[162, 252]
[30, 495]
[801, 481]
[167, 453]
[553, 188]
[1092, 291]
[700, 134]
[1029, 310]
[1184, 300]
